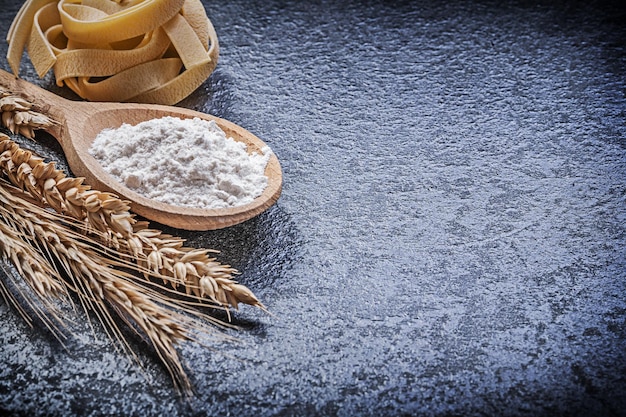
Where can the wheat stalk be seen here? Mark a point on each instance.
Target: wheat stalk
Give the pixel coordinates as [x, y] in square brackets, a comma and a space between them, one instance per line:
[36, 273]
[53, 255]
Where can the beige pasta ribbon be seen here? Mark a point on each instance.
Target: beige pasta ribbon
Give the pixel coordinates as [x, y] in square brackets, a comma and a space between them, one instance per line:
[147, 51]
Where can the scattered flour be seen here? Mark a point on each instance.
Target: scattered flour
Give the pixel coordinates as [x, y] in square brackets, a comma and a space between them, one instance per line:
[185, 162]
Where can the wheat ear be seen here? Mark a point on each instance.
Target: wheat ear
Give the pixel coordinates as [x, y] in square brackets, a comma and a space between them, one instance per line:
[19, 117]
[35, 272]
[160, 254]
[102, 283]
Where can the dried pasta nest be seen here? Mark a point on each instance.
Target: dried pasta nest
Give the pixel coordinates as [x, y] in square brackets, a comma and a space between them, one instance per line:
[145, 51]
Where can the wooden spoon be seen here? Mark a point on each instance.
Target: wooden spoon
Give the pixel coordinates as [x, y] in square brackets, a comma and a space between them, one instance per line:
[79, 122]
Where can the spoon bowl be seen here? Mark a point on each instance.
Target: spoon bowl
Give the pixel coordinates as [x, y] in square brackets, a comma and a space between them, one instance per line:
[79, 122]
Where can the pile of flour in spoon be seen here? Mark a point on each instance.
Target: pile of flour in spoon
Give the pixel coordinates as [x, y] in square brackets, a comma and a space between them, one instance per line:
[184, 162]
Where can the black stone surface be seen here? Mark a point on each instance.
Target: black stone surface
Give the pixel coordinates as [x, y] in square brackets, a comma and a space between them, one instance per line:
[451, 235]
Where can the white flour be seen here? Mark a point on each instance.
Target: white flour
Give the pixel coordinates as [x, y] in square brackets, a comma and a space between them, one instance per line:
[185, 162]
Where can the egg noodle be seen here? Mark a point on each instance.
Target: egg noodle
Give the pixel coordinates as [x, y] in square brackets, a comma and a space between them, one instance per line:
[145, 51]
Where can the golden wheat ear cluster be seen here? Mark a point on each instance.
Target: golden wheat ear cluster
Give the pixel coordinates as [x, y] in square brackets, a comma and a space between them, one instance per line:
[53, 257]
[18, 116]
[65, 237]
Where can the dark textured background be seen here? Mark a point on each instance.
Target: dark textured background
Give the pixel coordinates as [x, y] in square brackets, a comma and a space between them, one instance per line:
[451, 235]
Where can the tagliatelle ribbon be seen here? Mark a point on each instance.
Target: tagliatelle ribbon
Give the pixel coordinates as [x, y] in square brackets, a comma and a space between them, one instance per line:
[84, 24]
[150, 51]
